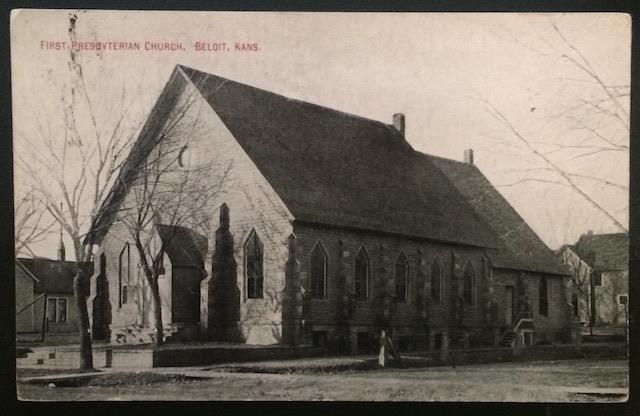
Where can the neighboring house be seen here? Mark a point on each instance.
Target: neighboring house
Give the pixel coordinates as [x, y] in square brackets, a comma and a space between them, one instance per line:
[25, 289]
[600, 282]
[327, 228]
[44, 283]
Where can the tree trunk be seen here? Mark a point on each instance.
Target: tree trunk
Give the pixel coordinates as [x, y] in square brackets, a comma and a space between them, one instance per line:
[157, 313]
[86, 352]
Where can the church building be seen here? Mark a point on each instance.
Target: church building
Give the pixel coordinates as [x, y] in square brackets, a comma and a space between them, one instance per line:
[326, 228]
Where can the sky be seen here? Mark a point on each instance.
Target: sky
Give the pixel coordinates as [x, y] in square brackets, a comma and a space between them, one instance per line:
[449, 73]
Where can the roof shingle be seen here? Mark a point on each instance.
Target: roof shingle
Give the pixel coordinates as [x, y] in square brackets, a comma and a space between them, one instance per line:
[520, 247]
[56, 276]
[611, 250]
[333, 168]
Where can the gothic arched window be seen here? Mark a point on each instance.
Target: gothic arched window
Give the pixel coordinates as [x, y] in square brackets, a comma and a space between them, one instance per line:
[402, 278]
[253, 254]
[124, 271]
[436, 282]
[468, 293]
[318, 272]
[362, 275]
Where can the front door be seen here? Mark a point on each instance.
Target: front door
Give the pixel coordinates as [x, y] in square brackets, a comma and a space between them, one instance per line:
[508, 303]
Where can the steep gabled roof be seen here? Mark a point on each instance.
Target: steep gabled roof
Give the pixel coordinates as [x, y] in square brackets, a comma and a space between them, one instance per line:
[520, 247]
[611, 250]
[56, 276]
[334, 168]
[186, 248]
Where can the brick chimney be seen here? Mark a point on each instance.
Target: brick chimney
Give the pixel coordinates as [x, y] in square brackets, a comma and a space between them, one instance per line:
[468, 156]
[398, 122]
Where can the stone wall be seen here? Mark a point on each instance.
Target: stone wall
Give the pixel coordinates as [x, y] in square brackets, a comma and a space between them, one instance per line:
[341, 317]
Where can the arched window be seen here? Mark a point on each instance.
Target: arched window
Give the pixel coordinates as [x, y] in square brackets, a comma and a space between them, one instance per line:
[468, 294]
[253, 254]
[543, 297]
[362, 275]
[436, 282]
[318, 272]
[124, 271]
[402, 278]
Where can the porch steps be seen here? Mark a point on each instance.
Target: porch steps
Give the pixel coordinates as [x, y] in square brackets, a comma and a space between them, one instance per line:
[508, 339]
[135, 334]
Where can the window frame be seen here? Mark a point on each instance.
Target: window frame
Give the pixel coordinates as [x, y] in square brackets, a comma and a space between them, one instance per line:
[436, 262]
[325, 277]
[57, 301]
[124, 281]
[253, 234]
[405, 263]
[66, 310]
[367, 276]
[472, 290]
[596, 278]
[618, 296]
[575, 304]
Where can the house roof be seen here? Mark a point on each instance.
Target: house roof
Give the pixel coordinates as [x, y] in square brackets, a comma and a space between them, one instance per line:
[25, 271]
[611, 250]
[334, 168]
[186, 248]
[55, 276]
[520, 247]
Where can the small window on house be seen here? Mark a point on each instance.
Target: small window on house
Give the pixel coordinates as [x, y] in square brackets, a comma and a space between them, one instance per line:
[543, 297]
[361, 280]
[51, 309]
[597, 278]
[124, 262]
[575, 304]
[57, 310]
[402, 278]
[62, 310]
[468, 295]
[253, 252]
[623, 299]
[318, 272]
[436, 282]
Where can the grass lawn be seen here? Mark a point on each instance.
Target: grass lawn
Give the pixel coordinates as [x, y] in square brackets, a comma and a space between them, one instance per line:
[533, 381]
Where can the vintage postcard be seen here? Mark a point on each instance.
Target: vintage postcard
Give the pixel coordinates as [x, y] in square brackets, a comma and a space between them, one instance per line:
[321, 206]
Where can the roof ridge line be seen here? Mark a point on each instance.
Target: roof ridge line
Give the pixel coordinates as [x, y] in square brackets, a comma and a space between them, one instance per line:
[296, 100]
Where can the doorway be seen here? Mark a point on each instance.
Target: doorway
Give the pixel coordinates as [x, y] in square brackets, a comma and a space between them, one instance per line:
[508, 303]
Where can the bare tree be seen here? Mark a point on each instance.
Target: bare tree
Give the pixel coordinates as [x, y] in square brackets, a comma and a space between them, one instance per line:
[70, 167]
[580, 284]
[169, 190]
[593, 119]
[30, 223]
